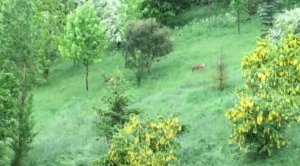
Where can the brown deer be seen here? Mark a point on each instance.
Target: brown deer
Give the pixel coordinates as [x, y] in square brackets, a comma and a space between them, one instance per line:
[107, 79]
[198, 67]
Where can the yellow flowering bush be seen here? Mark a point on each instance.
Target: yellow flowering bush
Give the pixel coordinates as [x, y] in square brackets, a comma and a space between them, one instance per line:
[152, 143]
[259, 123]
[268, 101]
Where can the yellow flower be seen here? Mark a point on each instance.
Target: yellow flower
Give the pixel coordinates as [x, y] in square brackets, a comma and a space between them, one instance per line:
[259, 119]
[262, 77]
[284, 73]
[128, 129]
[148, 138]
[295, 62]
[298, 67]
[254, 57]
[281, 63]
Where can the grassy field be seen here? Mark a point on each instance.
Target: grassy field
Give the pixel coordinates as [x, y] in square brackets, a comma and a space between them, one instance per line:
[64, 111]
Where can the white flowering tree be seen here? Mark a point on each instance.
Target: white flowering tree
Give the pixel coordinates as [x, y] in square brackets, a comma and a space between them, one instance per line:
[115, 14]
[284, 22]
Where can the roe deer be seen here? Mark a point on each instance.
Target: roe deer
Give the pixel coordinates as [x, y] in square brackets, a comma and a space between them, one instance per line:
[107, 79]
[198, 67]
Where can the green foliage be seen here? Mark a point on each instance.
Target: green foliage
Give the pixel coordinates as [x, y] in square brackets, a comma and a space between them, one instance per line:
[52, 19]
[84, 39]
[269, 101]
[149, 143]
[288, 4]
[20, 55]
[163, 10]
[9, 93]
[266, 14]
[145, 42]
[131, 8]
[118, 100]
[160, 10]
[239, 6]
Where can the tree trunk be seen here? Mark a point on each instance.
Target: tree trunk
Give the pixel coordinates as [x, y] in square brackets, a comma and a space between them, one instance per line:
[87, 76]
[46, 74]
[239, 21]
[149, 69]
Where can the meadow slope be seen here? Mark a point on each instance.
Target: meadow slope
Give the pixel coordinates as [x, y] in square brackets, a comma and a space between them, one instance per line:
[64, 111]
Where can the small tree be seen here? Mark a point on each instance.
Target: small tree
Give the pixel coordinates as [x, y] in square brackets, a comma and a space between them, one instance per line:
[145, 42]
[84, 39]
[266, 15]
[118, 112]
[150, 143]
[221, 76]
[239, 6]
[20, 55]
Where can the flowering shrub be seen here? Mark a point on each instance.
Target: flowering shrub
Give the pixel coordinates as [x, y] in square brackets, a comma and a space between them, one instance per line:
[144, 144]
[268, 102]
[114, 14]
[289, 20]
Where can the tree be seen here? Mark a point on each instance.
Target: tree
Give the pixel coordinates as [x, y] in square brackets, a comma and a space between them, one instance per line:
[163, 10]
[221, 76]
[283, 24]
[145, 42]
[52, 19]
[84, 39]
[9, 94]
[112, 18]
[239, 6]
[20, 55]
[118, 112]
[266, 15]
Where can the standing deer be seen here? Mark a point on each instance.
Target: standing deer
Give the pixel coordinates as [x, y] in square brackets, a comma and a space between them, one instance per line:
[198, 67]
[107, 79]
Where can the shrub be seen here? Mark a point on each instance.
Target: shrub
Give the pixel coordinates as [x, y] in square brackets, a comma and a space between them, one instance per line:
[150, 143]
[268, 102]
[145, 42]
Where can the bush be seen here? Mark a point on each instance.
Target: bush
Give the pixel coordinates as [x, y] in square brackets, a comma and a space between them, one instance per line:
[268, 102]
[147, 144]
[145, 42]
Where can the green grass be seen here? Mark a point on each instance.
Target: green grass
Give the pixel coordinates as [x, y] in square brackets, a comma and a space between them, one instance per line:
[64, 111]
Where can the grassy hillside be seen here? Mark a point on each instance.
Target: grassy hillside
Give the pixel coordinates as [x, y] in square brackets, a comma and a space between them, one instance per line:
[64, 111]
